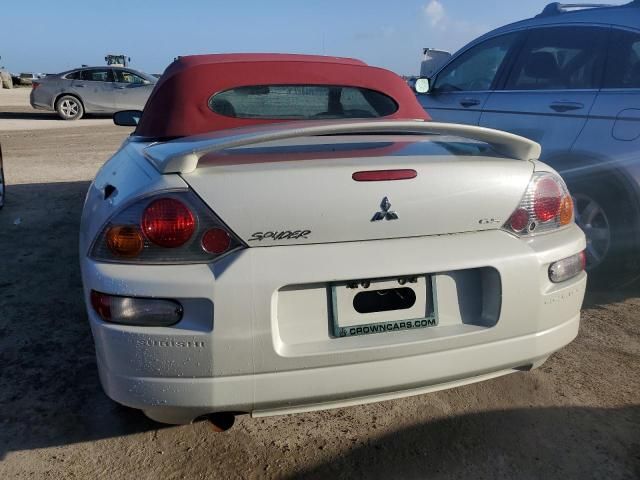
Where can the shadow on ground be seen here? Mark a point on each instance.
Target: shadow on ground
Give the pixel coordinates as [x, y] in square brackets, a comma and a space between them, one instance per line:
[525, 443]
[49, 390]
[41, 115]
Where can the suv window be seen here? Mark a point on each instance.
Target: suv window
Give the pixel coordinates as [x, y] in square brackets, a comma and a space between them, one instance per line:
[623, 62]
[97, 75]
[559, 58]
[302, 102]
[476, 69]
[73, 75]
[123, 76]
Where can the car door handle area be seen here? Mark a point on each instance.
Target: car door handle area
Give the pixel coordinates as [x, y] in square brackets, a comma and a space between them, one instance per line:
[120, 87]
[80, 86]
[565, 106]
[469, 102]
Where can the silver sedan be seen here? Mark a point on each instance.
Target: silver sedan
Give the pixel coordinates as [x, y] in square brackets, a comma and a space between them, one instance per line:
[92, 90]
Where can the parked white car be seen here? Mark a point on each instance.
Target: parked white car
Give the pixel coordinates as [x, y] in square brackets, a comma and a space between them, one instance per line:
[296, 266]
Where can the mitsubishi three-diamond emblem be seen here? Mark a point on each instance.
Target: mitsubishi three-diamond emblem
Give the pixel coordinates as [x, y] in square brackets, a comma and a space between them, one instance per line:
[385, 213]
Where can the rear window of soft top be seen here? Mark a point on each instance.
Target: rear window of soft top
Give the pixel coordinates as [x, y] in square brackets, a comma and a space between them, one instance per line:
[302, 102]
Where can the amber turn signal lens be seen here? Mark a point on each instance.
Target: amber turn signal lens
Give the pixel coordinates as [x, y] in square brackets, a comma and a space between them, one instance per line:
[566, 210]
[125, 241]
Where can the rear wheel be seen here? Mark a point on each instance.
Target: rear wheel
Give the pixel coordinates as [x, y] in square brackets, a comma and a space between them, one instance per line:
[607, 217]
[69, 108]
[592, 219]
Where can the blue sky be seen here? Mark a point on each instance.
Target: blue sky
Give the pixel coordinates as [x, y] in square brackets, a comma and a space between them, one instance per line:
[54, 35]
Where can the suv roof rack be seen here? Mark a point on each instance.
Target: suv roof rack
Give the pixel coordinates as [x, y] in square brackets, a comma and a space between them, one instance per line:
[556, 8]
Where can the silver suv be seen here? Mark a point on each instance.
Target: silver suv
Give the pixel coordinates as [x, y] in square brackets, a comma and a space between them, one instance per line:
[569, 79]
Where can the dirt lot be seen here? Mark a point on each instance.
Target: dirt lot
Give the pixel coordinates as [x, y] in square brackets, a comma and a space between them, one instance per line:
[576, 417]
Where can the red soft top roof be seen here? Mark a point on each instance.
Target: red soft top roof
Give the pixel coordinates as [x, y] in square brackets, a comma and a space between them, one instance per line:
[193, 60]
[178, 106]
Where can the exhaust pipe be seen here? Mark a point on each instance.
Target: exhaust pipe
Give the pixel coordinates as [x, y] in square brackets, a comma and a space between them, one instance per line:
[221, 421]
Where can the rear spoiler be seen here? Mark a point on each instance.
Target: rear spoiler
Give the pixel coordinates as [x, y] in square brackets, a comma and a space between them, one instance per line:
[183, 155]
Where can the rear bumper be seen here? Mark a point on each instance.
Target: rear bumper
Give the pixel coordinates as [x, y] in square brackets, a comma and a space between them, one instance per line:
[265, 351]
[180, 400]
[40, 101]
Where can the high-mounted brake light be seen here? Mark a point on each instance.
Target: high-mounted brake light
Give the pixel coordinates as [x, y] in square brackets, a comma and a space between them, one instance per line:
[172, 227]
[384, 175]
[546, 205]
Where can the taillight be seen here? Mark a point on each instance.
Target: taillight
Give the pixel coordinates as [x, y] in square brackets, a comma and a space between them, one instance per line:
[216, 240]
[567, 268]
[546, 205]
[148, 312]
[125, 240]
[34, 85]
[168, 222]
[547, 198]
[173, 227]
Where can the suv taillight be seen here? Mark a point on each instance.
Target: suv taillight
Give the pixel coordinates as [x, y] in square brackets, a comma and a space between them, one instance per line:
[171, 227]
[546, 205]
[34, 85]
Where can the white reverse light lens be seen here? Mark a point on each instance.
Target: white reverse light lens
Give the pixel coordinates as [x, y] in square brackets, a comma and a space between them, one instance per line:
[152, 312]
[566, 268]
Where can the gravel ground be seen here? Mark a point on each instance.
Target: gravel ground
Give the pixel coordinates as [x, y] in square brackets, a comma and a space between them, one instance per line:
[576, 417]
[16, 116]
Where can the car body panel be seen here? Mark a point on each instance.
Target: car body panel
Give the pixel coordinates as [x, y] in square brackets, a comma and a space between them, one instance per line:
[96, 96]
[258, 329]
[258, 338]
[256, 195]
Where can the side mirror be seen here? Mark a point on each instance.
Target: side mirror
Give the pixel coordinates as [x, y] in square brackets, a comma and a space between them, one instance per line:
[127, 118]
[422, 85]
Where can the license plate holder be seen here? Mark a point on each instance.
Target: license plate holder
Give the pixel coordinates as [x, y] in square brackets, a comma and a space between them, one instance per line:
[357, 310]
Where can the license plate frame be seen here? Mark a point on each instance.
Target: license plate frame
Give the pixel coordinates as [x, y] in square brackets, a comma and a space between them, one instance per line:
[346, 322]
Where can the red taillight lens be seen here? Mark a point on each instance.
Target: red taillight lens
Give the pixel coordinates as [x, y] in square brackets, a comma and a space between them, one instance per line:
[34, 85]
[167, 222]
[519, 220]
[547, 198]
[101, 304]
[216, 240]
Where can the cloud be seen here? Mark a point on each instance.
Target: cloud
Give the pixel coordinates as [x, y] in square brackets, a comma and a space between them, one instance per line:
[434, 12]
[458, 31]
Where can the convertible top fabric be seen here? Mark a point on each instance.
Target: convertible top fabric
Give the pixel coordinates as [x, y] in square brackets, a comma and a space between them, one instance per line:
[178, 106]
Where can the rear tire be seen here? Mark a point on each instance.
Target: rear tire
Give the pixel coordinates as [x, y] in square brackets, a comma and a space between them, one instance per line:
[608, 218]
[69, 107]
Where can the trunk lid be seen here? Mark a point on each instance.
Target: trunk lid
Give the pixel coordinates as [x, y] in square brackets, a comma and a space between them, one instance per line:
[301, 190]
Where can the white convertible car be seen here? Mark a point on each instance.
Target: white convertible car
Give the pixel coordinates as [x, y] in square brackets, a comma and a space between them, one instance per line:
[235, 263]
